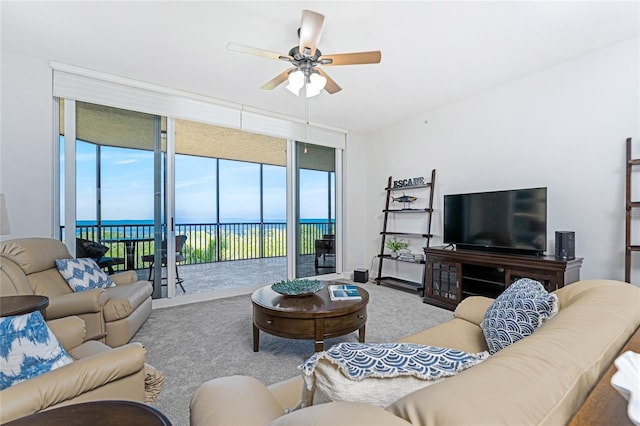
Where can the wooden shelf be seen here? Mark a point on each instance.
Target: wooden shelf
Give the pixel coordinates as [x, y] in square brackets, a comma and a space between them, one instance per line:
[427, 211]
[386, 256]
[629, 248]
[407, 234]
[408, 210]
[400, 283]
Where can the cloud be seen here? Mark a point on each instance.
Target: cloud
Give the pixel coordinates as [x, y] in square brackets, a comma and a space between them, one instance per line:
[127, 161]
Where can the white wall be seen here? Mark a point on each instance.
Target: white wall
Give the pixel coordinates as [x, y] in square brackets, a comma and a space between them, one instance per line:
[564, 128]
[26, 149]
[355, 200]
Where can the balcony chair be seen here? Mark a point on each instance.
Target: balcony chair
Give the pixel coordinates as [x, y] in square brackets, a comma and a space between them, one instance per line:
[324, 247]
[180, 241]
[97, 251]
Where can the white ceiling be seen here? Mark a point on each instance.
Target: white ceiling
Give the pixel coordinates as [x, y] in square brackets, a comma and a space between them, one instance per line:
[433, 53]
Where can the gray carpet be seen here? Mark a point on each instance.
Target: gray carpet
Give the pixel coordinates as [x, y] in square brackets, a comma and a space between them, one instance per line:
[194, 343]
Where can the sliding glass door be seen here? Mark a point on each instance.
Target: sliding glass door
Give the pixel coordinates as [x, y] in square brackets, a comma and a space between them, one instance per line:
[115, 188]
[315, 210]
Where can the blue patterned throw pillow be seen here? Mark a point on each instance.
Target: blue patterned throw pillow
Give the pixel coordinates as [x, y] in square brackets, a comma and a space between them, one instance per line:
[516, 313]
[28, 348]
[83, 274]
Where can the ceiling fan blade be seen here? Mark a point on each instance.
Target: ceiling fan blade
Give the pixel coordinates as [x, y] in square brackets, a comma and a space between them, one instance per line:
[331, 87]
[241, 48]
[277, 80]
[372, 57]
[310, 31]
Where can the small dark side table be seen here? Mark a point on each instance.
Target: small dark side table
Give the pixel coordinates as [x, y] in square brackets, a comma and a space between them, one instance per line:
[20, 305]
[97, 413]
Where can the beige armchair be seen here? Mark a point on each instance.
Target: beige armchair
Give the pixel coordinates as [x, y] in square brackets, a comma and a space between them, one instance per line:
[112, 315]
[97, 373]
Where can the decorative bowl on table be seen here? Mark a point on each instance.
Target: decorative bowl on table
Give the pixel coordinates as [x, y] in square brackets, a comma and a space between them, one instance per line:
[297, 287]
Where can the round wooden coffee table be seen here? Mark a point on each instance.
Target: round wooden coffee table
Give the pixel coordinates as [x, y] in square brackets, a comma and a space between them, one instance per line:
[314, 317]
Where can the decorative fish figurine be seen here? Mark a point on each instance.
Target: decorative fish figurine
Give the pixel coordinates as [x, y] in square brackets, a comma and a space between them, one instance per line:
[404, 199]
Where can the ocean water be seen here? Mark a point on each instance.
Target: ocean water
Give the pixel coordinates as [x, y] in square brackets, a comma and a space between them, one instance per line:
[144, 228]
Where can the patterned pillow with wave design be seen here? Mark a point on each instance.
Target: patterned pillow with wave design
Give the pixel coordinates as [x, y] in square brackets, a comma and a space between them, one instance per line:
[28, 349]
[517, 313]
[378, 373]
[83, 274]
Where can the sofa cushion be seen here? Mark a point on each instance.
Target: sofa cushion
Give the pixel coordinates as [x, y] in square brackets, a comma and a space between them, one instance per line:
[378, 374]
[49, 283]
[28, 348]
[455, 334]
[516, 313]
[83, 274]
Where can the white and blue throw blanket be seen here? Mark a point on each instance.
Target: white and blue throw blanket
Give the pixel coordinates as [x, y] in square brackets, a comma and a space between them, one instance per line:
[358, 361]
[352, 371]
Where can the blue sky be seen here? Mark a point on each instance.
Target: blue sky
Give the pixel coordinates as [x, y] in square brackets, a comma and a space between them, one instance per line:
[127, 188]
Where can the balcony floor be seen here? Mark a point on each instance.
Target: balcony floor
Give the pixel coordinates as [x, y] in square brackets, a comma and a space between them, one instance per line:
[208, 277]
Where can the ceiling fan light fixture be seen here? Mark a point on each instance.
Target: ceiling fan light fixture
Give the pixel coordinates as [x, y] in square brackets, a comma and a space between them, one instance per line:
[305, 56]
[296, 81]
[315, 85]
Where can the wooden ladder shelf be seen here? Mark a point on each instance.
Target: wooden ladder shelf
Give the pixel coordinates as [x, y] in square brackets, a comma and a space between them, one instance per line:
[630, 206]
[428, 210]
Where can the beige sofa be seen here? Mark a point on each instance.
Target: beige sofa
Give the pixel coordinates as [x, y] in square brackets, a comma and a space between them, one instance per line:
[112, 315]
[541, 379]
[98, 373]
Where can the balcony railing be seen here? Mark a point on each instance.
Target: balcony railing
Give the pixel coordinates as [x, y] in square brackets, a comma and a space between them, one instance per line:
[209, 242]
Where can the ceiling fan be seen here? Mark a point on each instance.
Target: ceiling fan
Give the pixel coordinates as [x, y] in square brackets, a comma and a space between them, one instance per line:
[306, 57]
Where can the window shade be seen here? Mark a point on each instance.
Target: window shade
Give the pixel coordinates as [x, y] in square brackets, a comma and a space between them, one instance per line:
[80, 84]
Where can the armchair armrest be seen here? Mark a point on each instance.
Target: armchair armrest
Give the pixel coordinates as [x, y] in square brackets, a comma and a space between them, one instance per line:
[70, 381]
[123, 278]
[76, 303]
[341, 413]
[473, 308]
[216, 402]
[69, 331]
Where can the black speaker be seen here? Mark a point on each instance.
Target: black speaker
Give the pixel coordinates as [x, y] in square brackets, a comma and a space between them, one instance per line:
[361, 275]
[565, 245]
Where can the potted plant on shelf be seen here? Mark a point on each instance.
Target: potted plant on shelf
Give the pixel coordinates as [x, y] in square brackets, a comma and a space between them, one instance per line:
[396, 245]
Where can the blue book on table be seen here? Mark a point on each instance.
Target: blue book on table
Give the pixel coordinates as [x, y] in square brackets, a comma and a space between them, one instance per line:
[344, 292]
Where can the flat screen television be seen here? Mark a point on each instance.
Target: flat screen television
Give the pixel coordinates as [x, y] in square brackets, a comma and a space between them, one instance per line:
[512, 221]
